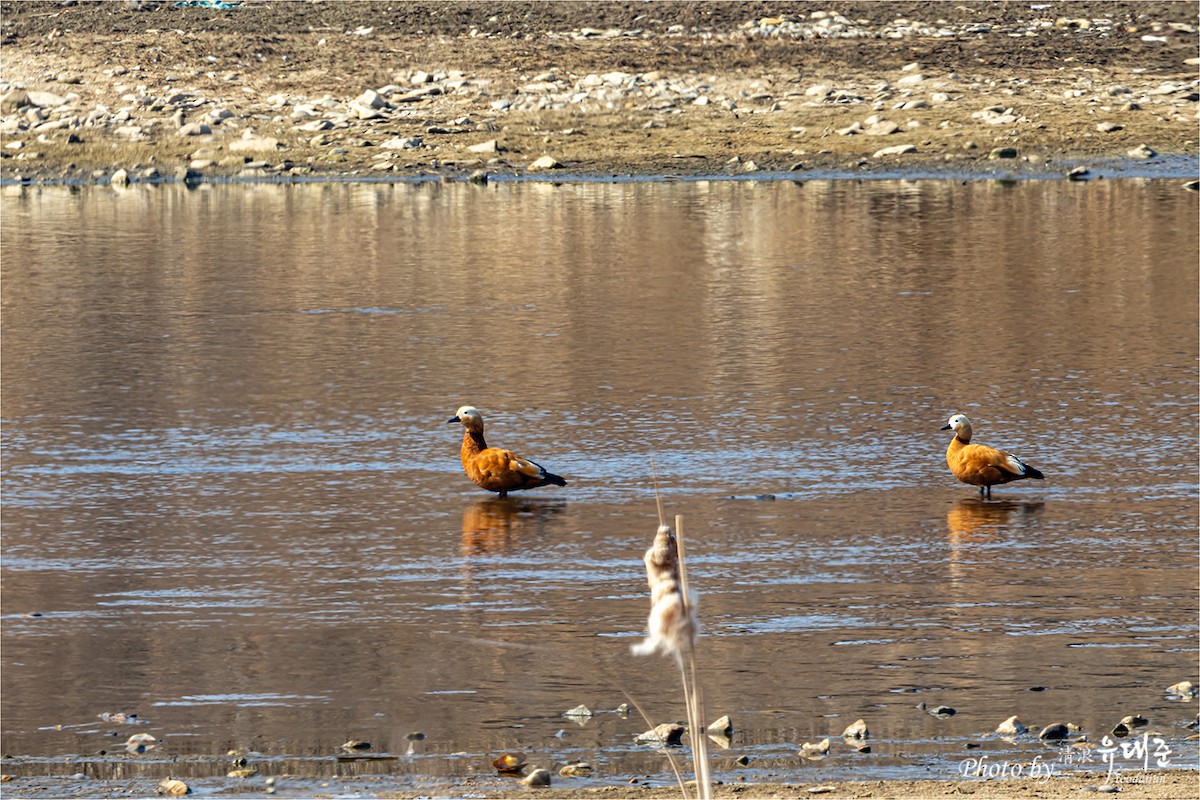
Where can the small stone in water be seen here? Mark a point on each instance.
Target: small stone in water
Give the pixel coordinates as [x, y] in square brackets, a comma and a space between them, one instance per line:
[247, 772]
[415, 736]
[722, 727]
[539, 777]
[1057, 730]
[576, 770]
[857, 730]
[1011, 727]
[942, 712]
[1079, 174]
[1003, 152]
[668, 733]
[173, 787]
[1182, 689]
[355, 744]
[578, 711]
[622, 710]
[509, 762]
[1120, 730]
[742, 760]
[814, 751]
[1135, 721]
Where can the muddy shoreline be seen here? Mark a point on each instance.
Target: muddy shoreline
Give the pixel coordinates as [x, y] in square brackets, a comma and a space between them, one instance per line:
[154, 91]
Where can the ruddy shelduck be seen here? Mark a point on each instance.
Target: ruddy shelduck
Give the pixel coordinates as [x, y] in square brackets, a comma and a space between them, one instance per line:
[494, 468]
[980, 465]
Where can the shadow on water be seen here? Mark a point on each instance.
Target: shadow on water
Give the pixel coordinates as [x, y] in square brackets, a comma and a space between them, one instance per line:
[500, 525]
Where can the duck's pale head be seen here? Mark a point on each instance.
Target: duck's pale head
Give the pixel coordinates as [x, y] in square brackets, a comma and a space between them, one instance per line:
[469, 416]
[960, 425]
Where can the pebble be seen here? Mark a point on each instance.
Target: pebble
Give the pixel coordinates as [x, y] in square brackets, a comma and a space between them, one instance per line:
[1057, 730]
[1003, 152]
[119, 178]
[814, 750]
[578, 712]
[668, 733]
[856, 730]
[1142, 151]
[577, 770]
[539, 777]
[1011, 727]
[1109, 127]
[1079, 174]
[545, 162]
[895, 150]
[490, 146]
[942, 712]
[174, 787]
[721, 727]
[1182, 689]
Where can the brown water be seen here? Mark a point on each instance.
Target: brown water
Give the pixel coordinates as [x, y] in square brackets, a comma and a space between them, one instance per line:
[231, 498]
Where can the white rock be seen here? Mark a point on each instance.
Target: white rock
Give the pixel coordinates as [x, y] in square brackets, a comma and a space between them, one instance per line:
[195, 129]
[46, 99]
[1011, 727]
[249, 143]
[371, 99]
[490, 146]
[545, 162]
[401, 143]
[119, 178]
[896, 150]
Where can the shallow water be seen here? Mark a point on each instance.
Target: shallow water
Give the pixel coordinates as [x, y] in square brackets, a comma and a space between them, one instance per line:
[233, 504]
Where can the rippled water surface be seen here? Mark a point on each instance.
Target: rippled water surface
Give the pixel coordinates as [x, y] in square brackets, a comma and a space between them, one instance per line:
[231, 503]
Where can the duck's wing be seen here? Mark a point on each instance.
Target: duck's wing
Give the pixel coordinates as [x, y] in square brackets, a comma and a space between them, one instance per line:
[986, 458]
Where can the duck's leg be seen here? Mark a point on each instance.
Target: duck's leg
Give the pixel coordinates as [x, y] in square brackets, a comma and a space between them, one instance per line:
[504, 494]
[989, 492]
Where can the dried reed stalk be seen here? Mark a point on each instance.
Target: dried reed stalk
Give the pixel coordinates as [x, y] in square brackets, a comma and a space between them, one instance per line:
[673, 627]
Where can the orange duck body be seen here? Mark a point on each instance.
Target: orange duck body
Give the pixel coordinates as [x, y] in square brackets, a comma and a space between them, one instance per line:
[494, 468]
[980, 465]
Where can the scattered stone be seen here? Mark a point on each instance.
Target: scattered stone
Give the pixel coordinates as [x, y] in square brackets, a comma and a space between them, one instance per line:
[857, 730]
[119, 178]
[415, 736]
[668, 733]
[1142, 151]
[1184, 688]
[195, 129]
[545, 162]
[881, 128]
[1109, 127]
[401, 143]
[173, 787]
[1135, 721]
[1106, 788]
[895, 150]
[539, 777]
[355, 744]
[814, 751]
[942, 712]
[1057, 730]
[250, 143]
[742, 760]
[1079, 174]
[821, 789]
[244, 772]
[1011, 727]
[578, 712]
[371, 99]
[579, 769]
[1120, 730]
[490, 146]
[480, 178]
[1003, 152]
[509, 763]
[721, 727]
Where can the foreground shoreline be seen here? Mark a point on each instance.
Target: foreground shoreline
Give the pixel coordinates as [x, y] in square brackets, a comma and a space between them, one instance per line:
[1170, 784]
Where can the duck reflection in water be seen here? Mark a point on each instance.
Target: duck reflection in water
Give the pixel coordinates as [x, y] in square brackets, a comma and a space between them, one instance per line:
[973, 518]
[497, 525]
